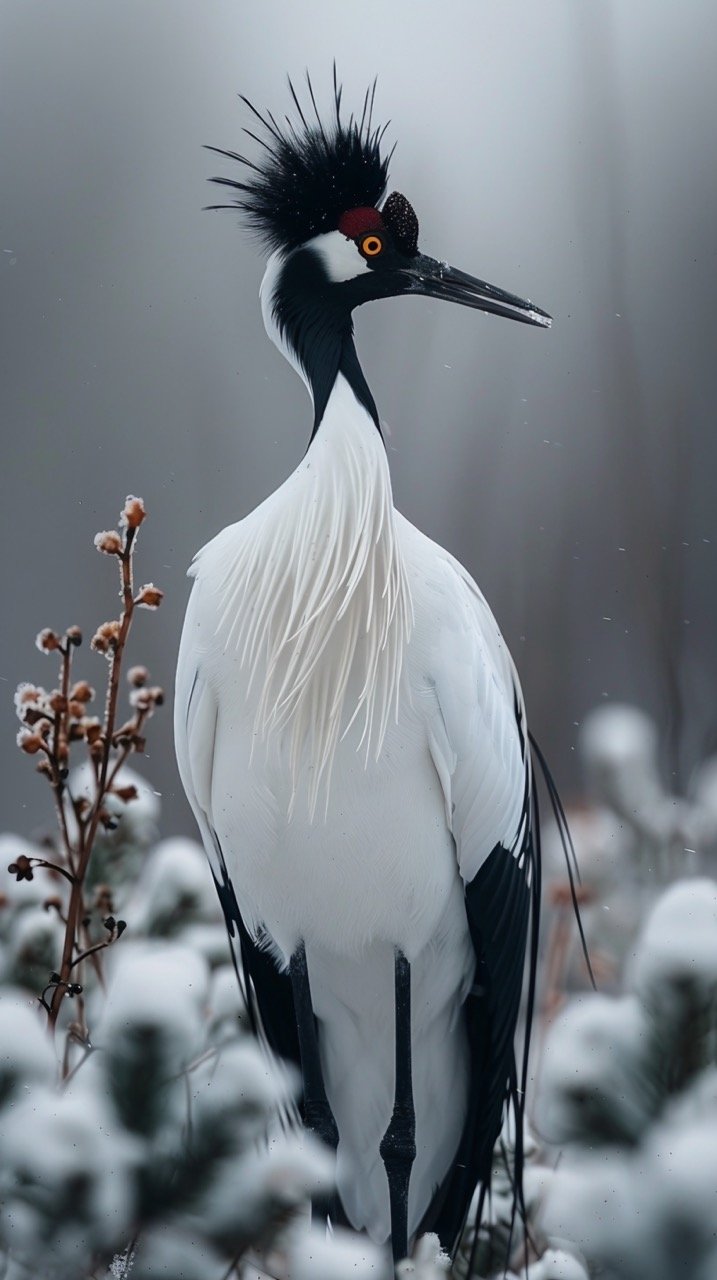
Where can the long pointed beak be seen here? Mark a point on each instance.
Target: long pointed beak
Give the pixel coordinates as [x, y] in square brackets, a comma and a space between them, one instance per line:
[439, 280]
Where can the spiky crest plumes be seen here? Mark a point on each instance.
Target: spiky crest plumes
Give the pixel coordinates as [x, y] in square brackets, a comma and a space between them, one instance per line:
[309, 173]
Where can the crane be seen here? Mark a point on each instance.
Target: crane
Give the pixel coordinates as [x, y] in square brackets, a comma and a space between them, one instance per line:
[350, 729]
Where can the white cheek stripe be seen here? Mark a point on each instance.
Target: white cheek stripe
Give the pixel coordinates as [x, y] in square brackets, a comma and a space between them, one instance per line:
[341, 258]
[267, 293]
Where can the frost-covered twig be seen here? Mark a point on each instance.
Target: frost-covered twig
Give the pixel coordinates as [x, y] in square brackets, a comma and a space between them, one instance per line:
[52, 724]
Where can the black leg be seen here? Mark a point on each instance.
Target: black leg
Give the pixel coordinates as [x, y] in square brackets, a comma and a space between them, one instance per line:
[318, 1116]
[398, 1146]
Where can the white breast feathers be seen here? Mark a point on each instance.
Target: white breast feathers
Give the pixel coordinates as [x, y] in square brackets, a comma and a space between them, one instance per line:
[313, 598]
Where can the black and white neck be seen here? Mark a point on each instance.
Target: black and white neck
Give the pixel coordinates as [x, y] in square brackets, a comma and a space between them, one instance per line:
[307, 301]
[315, 593]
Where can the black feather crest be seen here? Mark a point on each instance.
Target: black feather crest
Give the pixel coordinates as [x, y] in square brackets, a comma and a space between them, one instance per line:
[308, 173]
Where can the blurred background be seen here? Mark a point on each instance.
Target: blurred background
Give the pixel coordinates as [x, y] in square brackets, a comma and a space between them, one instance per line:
[563, 151]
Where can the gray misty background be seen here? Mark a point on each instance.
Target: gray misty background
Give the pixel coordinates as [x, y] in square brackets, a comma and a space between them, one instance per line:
[563, 150]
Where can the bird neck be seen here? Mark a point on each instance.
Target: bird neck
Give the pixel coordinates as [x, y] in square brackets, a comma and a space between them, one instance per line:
[314, 331]
[350, 369]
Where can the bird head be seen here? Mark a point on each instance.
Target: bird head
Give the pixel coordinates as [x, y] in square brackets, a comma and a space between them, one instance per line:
[315, 196]
[373, 253]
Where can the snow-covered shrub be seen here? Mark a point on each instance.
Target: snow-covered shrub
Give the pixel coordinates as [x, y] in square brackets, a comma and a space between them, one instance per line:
[500, 1250]
[596, 1072]
[66, 1172]
[629, 1089]
[314, 1257]
[26, 1055]
[158, 1142]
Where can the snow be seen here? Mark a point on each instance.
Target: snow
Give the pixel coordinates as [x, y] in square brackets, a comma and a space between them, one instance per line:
[678, 944]
[618, 739]
[34, 944]
[208, 940]
[558, 1264]
[429, 1262]
[226, 1010]
[343, 1256]
[160, 985]
[684, 1179]
[261, 1185]
[26, 1055]
[593, 1203]
[63, 1160]
[167, 1253]
[589, 1075]
[292, 1169]
[650, 1213]
[174, 888]
[619, 746]
[241, 1087]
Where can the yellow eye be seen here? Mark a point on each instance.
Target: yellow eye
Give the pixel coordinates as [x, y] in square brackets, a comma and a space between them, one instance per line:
[371, 245]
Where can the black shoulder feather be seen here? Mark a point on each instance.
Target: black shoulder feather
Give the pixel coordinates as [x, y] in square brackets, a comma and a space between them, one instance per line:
[308, 172]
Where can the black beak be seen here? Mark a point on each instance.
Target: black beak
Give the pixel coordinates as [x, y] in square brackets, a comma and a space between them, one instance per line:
[438, 280]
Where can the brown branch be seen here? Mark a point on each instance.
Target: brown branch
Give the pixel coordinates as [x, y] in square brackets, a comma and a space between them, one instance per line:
[91, 951]
[60, 731]
[126, 752]
[87, 836]
[109, 744]
[53, 866]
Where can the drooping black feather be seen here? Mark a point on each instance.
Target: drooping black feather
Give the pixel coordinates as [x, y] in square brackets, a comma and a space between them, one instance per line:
[308, 173]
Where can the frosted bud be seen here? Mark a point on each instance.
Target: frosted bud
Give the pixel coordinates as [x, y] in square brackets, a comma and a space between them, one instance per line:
[47, 640]
[27, 698]
[149, 596]
[109, 542]
[29, 742]
[106, 637]
[82, 692]
[133, 512]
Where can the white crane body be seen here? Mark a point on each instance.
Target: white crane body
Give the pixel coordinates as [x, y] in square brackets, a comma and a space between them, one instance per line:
[351, 736]
[376, 865]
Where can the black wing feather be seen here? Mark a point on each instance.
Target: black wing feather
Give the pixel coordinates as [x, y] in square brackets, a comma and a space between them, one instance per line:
[266, 987]
[503, 909]
[498, 906]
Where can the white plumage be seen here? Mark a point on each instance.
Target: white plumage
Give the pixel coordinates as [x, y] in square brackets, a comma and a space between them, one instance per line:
[380, 862]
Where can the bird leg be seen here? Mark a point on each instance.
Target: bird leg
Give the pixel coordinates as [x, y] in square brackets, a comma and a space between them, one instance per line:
[398, 1146]
[318, 1116]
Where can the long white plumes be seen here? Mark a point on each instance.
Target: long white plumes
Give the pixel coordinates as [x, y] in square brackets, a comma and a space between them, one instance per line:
[314, 598]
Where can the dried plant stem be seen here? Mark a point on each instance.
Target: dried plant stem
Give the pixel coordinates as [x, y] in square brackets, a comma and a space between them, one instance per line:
[52, 723]
[60, 731]
[88, 826]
